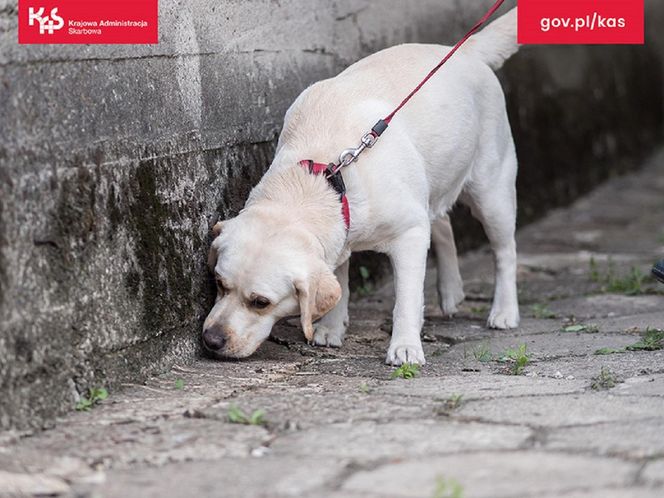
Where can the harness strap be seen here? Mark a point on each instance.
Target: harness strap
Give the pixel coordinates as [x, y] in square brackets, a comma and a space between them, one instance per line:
[335, 180]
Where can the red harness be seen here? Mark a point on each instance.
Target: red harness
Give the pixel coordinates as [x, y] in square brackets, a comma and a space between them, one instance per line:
[332, 171]
[335, 180]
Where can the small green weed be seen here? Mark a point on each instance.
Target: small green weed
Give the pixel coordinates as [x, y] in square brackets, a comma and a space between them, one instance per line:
[595, 275]
[580, 327]
[406, 371]
[448, 405]
[651, 340]
[237, 416]
[517, 358]
[438, 351]
[364, 388]
[605, 380]
[541, 311]
[447, 488]
[479, 310]
[482, 352]
[95, 395]
[454, 401]
[179, 384]
[631, 284]
[367, 286]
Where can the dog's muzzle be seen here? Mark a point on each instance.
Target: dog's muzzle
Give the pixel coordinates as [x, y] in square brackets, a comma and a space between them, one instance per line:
[214, 339]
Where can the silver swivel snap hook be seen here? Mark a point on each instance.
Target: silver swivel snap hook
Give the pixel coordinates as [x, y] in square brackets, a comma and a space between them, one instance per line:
[350, 155]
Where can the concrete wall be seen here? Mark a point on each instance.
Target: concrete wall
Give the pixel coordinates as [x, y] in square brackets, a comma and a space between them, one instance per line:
[115, 160]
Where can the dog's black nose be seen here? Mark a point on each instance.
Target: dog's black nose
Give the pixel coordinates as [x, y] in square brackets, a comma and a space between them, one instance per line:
[214, 338]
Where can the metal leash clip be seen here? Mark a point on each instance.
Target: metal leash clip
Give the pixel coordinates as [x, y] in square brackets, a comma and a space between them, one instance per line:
[368, 140]
[350, 155]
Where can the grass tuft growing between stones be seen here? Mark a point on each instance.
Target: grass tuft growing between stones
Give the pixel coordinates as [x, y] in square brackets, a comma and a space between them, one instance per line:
[447, 488]
[651, 340]
[449, 405]
[406, 371]
[517, 358]
[541, 311]
[479, 310]
[95, 396]
[634, 283]
[482, 353]
[580, 327]
[237, 416]
[606, 379]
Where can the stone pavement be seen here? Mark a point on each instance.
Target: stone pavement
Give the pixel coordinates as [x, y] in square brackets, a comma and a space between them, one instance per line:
[572, 423]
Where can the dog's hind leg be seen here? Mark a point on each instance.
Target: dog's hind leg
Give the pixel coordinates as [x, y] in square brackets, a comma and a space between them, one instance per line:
[408, 254]
[492, 200]
[330, 330]
[450, 285]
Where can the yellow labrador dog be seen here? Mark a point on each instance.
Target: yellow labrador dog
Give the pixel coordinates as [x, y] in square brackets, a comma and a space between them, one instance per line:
[287, 251]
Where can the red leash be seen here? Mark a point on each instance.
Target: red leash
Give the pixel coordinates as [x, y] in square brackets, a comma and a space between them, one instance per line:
[370, 138]
[456, 47]
[333, 171]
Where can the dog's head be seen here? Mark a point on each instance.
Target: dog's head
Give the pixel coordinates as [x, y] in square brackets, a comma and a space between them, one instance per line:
[265, 270]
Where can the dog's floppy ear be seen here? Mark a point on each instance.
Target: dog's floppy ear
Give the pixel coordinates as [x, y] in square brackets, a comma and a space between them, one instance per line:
[214, 250]
[217, 228]
[317, 295]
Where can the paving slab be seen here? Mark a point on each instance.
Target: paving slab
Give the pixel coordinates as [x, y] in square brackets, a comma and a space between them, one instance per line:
[606, 306]
[493, 474]
[419, 438]
[623, 366]
[614, 492]
[473, 385]
[654, 320]
[647, 385]
[633, 439]
[563, 410]
[250, 477]
[654, 472]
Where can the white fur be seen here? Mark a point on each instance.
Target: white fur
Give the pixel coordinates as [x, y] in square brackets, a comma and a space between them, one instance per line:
[451, 142]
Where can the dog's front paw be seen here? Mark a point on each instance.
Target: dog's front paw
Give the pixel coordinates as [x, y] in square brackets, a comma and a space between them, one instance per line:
[398, 354]
[327, 336]
[503, 318]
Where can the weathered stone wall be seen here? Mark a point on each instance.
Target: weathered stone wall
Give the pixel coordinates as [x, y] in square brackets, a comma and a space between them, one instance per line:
[114, 160]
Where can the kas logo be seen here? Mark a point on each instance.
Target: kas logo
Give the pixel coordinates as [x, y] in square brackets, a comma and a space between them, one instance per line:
[45, 23]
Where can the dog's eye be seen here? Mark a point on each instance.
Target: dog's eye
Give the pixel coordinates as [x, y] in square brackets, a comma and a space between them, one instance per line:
[260, 302]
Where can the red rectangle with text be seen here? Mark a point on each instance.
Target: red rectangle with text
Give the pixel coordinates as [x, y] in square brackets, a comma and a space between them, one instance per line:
[88, 21]
[581, 21]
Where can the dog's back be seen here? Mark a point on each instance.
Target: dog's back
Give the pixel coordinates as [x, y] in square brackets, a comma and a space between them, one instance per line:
[338, 110]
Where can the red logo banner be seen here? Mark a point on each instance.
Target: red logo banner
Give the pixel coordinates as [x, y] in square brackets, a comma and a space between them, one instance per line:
[88, 21]
[581, 21]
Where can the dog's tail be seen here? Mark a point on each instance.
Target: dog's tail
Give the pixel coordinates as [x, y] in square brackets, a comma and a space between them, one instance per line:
[497, 42]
